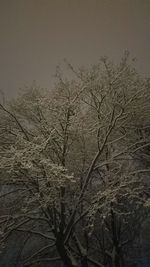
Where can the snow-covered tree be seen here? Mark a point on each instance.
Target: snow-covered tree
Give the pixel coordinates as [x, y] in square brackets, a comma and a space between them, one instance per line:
[69, 163]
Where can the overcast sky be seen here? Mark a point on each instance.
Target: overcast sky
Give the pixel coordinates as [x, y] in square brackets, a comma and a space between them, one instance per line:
[36, 35]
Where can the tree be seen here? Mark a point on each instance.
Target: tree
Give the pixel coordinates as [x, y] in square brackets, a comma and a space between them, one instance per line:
[69, 155]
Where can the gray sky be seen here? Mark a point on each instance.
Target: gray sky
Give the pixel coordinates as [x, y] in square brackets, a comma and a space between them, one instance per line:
[37, 34]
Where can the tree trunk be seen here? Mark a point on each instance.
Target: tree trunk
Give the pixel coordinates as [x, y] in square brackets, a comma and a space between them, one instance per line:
[65, 255]
[115, 259]
[84, 262]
